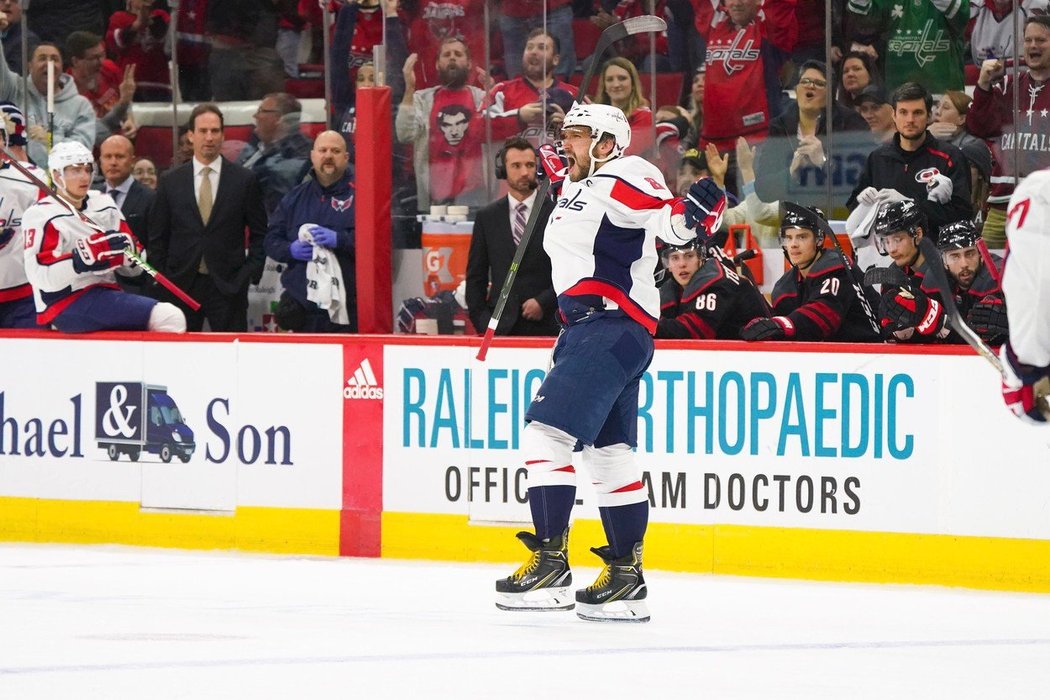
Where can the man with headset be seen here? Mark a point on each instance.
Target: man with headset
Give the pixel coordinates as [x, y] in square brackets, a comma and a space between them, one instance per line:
[532, 305]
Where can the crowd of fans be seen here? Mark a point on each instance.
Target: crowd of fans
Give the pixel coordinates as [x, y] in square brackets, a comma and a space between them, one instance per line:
[914, 101]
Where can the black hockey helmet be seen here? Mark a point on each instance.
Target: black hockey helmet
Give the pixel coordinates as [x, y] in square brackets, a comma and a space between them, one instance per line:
[957, 235]
[895, 217]
[797, 216]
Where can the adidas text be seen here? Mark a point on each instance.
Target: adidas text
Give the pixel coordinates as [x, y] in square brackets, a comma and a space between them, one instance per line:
[363, 385]
[362, 392]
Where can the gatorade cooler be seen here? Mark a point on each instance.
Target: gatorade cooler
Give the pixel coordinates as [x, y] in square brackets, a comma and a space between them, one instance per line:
[445, 249]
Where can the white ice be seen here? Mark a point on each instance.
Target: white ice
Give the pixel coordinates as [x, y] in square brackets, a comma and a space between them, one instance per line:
[115, 622]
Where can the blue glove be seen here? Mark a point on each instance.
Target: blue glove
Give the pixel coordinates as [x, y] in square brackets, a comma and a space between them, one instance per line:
[704, 205]
[324, 237]
[301, 250]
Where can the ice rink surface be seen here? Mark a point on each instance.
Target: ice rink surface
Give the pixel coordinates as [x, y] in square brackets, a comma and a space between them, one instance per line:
[116, 622]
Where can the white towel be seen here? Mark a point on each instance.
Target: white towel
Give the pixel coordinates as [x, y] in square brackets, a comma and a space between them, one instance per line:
[860, 224]
[324, 279]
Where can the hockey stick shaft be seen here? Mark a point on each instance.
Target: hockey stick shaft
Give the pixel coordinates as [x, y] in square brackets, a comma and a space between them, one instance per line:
[940, 279]
[512, 272]
[858, 289]
[146, 267]
[613, 33]
[986, 256]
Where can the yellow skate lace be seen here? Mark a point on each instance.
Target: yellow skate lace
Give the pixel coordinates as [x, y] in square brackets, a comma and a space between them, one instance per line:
[528, 567]
[603, 579]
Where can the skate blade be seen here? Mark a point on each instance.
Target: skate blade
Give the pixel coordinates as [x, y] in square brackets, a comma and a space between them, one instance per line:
[616, 611]
[542, 599]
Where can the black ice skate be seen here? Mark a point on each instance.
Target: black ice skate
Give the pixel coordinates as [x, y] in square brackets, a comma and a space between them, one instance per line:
[543, 581]
[618, 595]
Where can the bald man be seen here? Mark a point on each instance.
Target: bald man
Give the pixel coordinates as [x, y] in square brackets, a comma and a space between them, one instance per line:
[317, 217]
[116, 159]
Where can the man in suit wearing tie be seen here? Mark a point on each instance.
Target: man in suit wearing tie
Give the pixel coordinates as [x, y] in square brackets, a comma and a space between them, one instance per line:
[499, 227]
[206, 228]
[116, 158]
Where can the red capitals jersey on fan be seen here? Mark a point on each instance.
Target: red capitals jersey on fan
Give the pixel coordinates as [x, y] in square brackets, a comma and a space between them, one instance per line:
[742, 87]
[507, 97]
[435, 20]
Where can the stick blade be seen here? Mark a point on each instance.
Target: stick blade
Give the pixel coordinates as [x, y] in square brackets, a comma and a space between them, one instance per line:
[643, 24]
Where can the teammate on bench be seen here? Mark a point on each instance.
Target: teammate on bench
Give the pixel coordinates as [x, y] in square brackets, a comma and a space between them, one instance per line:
[74, 245]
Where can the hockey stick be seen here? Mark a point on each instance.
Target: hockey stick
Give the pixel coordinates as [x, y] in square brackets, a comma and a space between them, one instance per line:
[512, 272]
[612, 34]
[940, 280]
[825, 229]
[134, 256]
[986, 256]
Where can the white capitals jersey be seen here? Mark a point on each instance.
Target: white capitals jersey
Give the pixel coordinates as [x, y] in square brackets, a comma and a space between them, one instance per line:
[601, 237]
[50, 230]
[16, 195]
[1026, 277]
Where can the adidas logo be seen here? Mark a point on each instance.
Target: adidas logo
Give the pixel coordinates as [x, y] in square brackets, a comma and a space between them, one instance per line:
[363, 385]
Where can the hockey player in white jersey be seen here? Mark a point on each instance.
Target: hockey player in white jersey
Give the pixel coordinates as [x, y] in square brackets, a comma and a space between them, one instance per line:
[601, 239]
[1026, 284]
[16, 195]
[71, 262]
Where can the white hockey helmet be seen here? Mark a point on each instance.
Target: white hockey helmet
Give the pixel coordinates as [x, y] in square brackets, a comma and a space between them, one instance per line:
[601, 119]
[68, 153]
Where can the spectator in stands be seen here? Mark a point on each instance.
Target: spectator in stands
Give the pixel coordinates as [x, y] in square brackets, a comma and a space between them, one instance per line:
[74, 117]
[116, 159]
[11, 28]
[54, 20]
[444, 125]
[877, 112]
[184, 153]
[348, 75]
[277, 151]
[519, 20]
[742, 93]
[204, 212]
[290, 24]
[194, 49]
[857, 71]
[933, 173]
[620, 86]
[991, 117]
[695, 108]
[949, 125]
[794, 161]
[136, 37]
[244, 64]
[109, 89]
[920, 42]
[534, 103]
[672, 126]
[532, 305]
[145, 171]
[311, 221]
[762, 217]
[993, 26]
[429, 22]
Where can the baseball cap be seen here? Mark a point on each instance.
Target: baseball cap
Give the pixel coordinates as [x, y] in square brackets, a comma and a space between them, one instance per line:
[874, 93]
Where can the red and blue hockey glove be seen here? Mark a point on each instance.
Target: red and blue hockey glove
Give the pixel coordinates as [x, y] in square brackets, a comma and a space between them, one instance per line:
[1026, 389]
[988, 319]
[324, 237]
[904, 308]
[705, 203]
[101, 252]
[554, 167]
[776, 328]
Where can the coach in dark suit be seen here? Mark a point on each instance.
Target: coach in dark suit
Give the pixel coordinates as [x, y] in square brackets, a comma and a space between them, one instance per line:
[116, 157]
[206, 228]
[532, 304]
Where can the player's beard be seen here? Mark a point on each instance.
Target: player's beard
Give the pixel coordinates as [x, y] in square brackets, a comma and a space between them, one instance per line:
[579, 170]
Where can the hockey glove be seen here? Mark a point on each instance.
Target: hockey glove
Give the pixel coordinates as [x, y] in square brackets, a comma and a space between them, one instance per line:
[301, 250]
[101, 252]
[1025, 389]
[776, 328]
[904, 308]
[939, 189]
[324, 237]
[705, 203]
[988, 319]
[554, 167]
